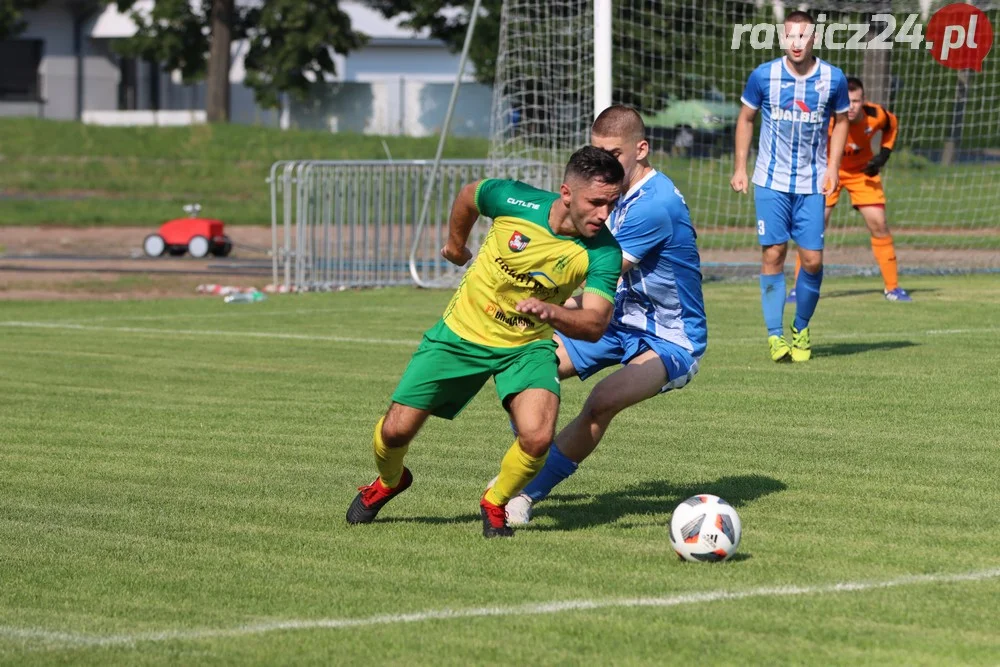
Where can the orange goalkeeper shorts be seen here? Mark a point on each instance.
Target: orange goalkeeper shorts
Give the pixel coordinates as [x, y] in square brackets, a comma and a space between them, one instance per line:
[864, 190]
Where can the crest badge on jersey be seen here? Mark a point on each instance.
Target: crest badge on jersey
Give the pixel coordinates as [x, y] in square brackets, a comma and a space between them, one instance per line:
[518, 242]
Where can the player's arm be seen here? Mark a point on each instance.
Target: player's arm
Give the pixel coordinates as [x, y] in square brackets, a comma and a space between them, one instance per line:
[752, 98]
[588, 322]
[464, 214]
[890, 128]
[744, 135]
[838, 140]
[576, 301]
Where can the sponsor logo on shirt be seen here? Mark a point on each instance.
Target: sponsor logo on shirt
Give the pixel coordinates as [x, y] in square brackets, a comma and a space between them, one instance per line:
[538, 289]
[513, 321]
[800, 115]
[524, 204]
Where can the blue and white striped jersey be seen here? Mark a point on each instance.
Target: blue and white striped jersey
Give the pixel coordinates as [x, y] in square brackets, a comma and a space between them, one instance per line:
[795, 117]
[661, 294]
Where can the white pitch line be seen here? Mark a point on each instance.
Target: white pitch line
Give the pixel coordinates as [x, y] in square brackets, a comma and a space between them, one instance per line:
[948, 332]
[234, 313]
[216, 333]
[87, 640]
[210, 332]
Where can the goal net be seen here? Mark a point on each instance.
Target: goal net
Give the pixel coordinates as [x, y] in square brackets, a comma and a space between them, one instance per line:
[683, 65]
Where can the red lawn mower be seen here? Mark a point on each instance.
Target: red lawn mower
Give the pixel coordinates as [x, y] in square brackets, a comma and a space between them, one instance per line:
[197, 236]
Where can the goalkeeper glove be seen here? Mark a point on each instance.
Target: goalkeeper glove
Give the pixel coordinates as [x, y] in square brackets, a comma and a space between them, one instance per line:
[876, 163]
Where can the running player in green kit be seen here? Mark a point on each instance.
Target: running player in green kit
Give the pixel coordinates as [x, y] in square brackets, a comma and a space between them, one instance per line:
[540, 248]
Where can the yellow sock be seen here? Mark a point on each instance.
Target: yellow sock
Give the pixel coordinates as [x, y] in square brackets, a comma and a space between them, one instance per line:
[389, 460]
[885, 255]
[516, 470]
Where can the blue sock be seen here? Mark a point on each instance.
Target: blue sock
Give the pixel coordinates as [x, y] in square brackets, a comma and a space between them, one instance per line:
[772, 299]
[557, 468]
[806, 297]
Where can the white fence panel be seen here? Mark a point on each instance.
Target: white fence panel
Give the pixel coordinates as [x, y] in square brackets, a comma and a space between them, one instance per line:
[343, 224]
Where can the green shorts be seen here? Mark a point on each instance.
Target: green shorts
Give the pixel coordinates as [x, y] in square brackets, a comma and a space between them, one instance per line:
[447, 371]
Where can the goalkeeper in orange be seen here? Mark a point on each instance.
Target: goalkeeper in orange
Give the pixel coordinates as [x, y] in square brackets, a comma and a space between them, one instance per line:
[859, 175]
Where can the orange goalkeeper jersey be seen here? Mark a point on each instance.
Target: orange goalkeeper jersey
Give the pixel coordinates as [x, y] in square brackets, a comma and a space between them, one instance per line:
[858, 150]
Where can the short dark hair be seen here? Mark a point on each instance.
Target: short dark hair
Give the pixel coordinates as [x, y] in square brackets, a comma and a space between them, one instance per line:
[619, 121]
[800, 16]
[854, 83]
[591, 163]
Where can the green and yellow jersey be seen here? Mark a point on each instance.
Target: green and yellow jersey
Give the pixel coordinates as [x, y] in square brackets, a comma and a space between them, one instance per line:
[522, 257]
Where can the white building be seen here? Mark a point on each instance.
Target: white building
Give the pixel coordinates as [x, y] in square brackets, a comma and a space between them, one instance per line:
[63, 67]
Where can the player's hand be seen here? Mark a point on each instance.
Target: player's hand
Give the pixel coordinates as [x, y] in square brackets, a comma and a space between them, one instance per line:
[831, 183]
[872, 169]
[739, 181]
[536, 307]
[457, 256]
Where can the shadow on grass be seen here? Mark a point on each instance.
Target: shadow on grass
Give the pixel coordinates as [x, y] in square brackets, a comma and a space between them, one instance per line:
[844, 349]
[922, 290]
[574, 511]
[837, 294]
[841, 293]
[429, 520]
[654, 497]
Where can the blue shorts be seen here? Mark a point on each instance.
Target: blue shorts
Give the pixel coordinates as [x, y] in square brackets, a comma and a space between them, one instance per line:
[619, 345]
[783, 215]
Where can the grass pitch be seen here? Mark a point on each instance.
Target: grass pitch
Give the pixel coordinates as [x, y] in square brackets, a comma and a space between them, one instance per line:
[175, 474]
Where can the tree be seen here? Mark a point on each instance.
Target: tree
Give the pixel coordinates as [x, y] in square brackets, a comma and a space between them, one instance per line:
[290, 44]
[12, 16]
[637, 50]
[446, 21]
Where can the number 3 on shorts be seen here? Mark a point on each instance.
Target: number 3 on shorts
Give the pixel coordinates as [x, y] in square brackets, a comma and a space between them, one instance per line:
[760, 226]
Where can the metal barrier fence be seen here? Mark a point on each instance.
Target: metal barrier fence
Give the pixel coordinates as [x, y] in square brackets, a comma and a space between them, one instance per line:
[341, 224]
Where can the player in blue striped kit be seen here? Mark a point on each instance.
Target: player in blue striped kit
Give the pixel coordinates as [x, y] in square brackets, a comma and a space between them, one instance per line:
[796, 95]
[659, 331]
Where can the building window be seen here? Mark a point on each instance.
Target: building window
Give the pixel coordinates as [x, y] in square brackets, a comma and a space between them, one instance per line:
[19, 79]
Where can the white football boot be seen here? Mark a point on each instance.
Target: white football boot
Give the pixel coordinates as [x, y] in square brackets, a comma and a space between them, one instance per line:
[519, 510]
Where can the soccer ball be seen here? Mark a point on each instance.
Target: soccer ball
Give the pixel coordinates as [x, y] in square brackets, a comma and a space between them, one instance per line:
[705, 528]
